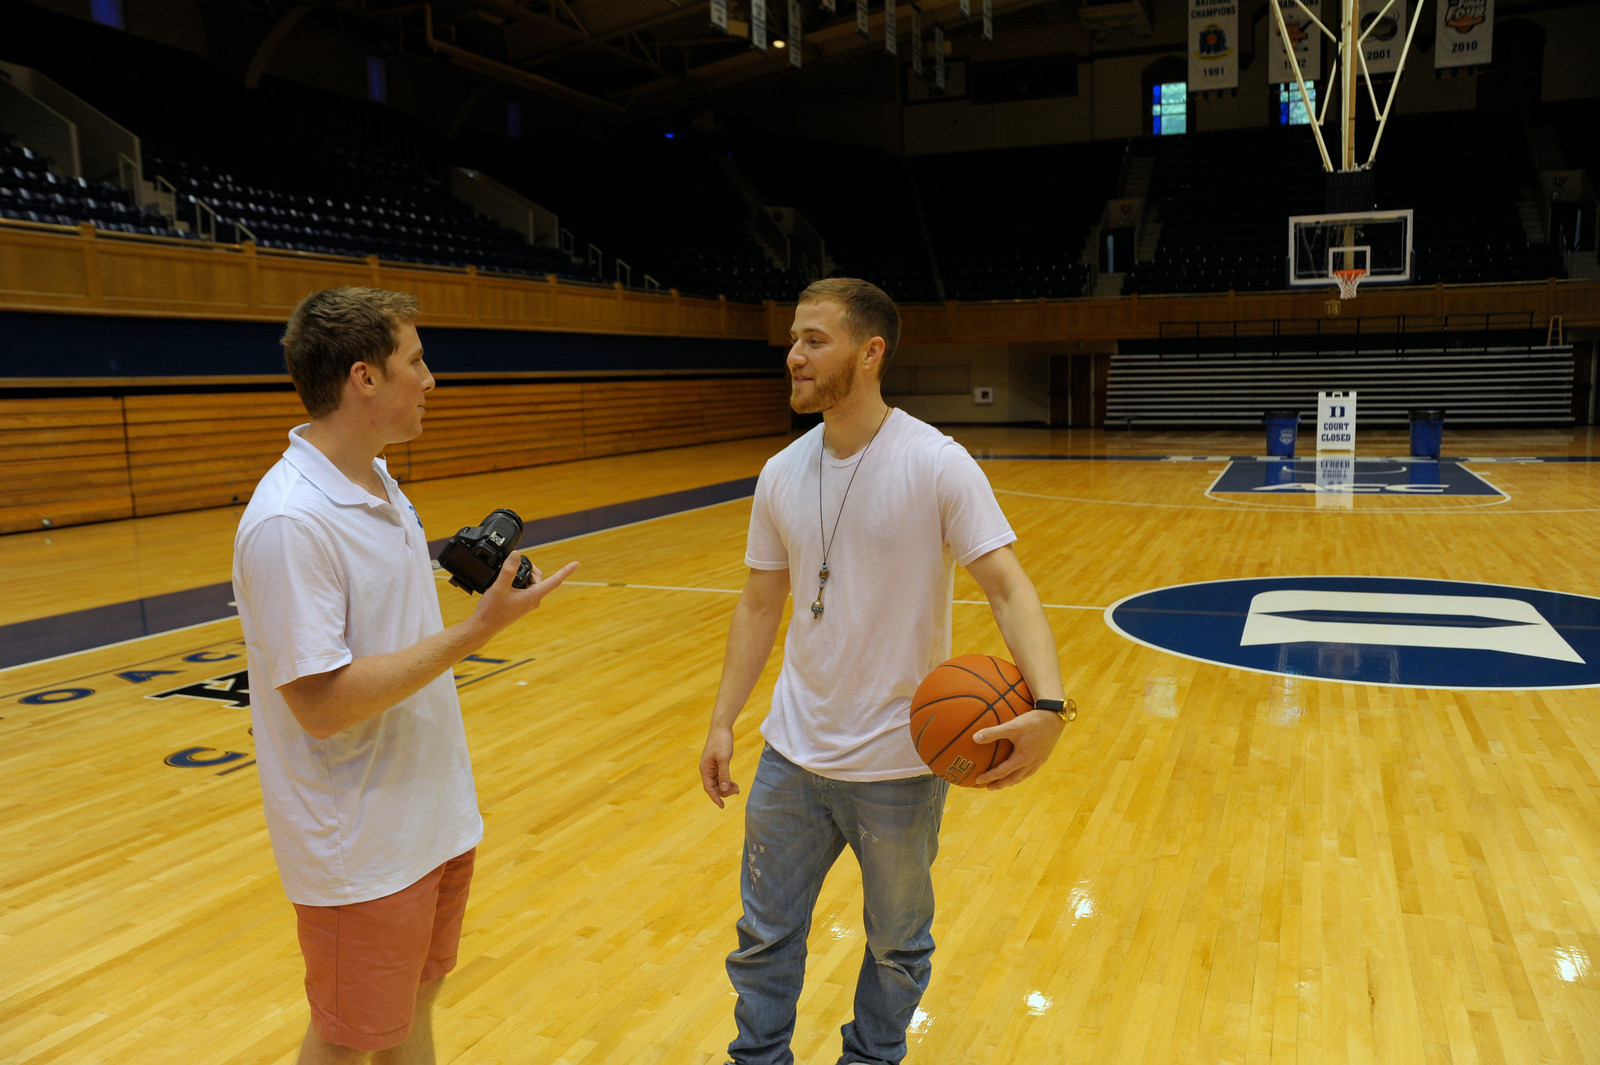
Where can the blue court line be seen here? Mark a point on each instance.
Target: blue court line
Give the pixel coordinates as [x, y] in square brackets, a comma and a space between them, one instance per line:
[80, 630]
[985, 456]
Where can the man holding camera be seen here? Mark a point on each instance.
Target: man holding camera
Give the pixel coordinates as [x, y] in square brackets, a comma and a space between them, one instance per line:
[366, 783]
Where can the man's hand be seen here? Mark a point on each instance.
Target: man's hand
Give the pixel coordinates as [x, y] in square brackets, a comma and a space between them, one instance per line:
[1033, 736]
[715, 763]
[327, 703]
[503, 604]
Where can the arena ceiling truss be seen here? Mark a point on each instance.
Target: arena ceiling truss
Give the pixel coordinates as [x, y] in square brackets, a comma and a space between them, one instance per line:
[621, 56]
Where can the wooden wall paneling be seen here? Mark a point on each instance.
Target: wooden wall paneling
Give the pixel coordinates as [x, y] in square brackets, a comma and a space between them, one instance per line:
[46, 268]
[704, 318]
[742, 407]
[589, 310]
[42, 271]
[747, 320]
[641, 313]
[206, 450]
[65, 461]
[446, 297]
[285, 280]
[172, 280]
[509, 303]
[479, 428]
[78, 460]
[624, 416]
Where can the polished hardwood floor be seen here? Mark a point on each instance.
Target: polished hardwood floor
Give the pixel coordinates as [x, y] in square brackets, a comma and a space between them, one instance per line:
[1218, 865]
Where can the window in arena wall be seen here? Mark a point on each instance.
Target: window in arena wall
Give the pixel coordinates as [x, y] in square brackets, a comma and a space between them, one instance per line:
[1169, 108]
[377, 80]
[1291, 108]
[107, 13]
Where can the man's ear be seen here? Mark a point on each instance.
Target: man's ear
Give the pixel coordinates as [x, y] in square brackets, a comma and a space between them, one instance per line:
[363, 377]
[874, 353]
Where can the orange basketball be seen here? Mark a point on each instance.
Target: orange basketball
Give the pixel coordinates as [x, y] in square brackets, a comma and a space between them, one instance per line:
[960, 697]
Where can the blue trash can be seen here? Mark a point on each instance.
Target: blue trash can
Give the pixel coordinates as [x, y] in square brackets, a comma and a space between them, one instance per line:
[1427, 432]
[1282, 425]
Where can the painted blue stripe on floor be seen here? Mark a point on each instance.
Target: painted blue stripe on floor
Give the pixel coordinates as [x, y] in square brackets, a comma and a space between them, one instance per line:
[80, 630]
[987, 455]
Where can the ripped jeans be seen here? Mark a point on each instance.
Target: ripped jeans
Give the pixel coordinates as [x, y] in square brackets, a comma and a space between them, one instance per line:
[796, 825]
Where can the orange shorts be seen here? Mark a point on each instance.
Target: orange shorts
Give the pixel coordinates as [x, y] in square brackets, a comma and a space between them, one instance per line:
[365, 960]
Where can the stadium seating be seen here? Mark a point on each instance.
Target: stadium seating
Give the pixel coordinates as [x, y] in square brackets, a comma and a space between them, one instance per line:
[683, 211]
[31, 192]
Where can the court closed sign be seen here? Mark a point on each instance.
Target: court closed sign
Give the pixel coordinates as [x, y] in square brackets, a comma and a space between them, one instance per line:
[1336, 421]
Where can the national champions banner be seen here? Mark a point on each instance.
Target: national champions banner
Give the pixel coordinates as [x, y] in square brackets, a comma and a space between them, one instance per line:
[1385, 34]
[1305, 37]
[1213, 45]
[758, 24]
[797, 34]
[1464, 33]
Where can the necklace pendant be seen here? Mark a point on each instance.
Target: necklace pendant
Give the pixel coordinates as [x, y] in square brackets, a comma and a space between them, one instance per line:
[816, 606]
[822, 574]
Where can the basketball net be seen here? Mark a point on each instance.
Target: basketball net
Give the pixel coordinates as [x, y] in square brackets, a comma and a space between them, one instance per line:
[1348, 280]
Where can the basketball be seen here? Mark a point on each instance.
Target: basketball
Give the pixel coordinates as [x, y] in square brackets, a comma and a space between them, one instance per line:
[960, 697]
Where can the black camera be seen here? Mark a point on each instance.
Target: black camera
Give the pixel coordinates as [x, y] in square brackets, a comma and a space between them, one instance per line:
[474, 555]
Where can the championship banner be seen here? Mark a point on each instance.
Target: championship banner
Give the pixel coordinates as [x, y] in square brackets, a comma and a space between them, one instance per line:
[891, 32]
[797, 33]
[1213, 58]
[758, 24]
[861, 20]
[719, 14]
[829, 6]
[1307, 41]
[1387, 40]
[1336, 421]
[916, 41]
[966, 10]
[988, 20]
[938, 57]
[1463, 33]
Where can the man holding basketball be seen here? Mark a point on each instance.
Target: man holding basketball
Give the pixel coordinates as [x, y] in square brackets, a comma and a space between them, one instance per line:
[872, 510]
[365, 779]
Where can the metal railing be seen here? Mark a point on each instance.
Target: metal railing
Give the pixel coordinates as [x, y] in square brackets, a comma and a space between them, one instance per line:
[1388, 333]
[166, 198]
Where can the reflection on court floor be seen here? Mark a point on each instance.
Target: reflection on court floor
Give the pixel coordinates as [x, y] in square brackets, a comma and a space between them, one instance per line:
[1346, 474]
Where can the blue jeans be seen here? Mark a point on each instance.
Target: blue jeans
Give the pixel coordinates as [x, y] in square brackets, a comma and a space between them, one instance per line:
[796, 826]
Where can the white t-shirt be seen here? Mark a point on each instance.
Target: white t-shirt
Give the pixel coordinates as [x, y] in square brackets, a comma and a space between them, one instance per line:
[324, 573]
[919, 505]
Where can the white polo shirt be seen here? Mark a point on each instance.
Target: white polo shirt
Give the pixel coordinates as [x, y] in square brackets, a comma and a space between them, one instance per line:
[324, 573]
[917, 506]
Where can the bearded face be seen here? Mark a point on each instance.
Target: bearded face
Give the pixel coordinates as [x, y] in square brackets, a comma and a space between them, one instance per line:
[824, 390]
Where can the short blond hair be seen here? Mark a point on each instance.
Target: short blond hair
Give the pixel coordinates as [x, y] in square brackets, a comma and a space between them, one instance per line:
[867, 310]
[332, 330]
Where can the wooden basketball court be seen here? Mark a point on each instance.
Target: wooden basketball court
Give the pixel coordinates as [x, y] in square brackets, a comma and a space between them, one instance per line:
[1218, 865]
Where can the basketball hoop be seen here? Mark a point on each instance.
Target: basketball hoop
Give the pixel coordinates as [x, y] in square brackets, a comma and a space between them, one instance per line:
[1348, 280]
